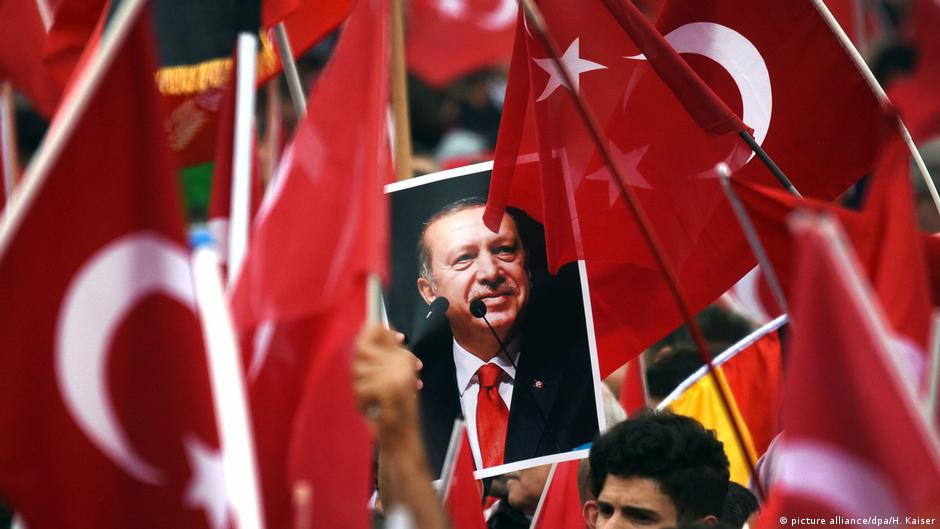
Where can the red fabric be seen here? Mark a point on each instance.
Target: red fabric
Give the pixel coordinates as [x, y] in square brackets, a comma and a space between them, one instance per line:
[75, 23]
[21, 39]
[667, 159]
[633, 394]
[315, 239]
[305, 21]
[462, 499]
[492, 416]
[755, 376]
[121, 250]
[561, 506]
[446, 40]
[917, 97]
[708, 110]
[885, 237]
[853, 424]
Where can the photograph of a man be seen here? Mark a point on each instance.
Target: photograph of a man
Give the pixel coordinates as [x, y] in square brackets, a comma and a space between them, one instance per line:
[515, 367]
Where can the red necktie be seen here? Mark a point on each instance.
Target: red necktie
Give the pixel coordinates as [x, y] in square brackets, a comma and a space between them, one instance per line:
[492, 416]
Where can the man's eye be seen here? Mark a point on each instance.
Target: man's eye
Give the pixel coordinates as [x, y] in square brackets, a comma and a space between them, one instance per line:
[606, 510]
[505, 250]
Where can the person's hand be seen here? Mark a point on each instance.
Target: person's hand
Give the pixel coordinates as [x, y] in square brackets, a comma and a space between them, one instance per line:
[385, 383]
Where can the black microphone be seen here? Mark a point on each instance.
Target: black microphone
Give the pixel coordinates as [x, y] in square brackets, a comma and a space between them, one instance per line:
[436, 311]
[478, 310]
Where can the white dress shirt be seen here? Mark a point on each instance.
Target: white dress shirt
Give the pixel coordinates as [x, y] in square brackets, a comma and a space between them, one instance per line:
[468, 387]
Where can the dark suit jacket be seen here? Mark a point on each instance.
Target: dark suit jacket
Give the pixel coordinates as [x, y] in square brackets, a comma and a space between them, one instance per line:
[552, 408]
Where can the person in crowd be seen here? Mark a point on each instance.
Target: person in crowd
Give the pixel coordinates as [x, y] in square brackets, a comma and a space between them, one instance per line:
[656, 470]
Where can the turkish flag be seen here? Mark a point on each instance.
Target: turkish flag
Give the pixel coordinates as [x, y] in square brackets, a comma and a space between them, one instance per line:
[105, 383]
[300, 293]
[855, 441]
[21, 40]
[463, 495]
[450, 38]
[560, 506]
[776, 63]
[891, 250]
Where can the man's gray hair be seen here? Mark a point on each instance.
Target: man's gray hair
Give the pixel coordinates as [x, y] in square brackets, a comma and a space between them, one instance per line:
[424, 253]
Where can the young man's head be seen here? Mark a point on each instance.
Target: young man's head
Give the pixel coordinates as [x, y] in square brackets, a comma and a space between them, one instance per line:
[656, 471]
[460, 259]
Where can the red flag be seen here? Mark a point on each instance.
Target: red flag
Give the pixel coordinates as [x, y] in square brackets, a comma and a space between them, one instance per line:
[560, 506]
[305, 21]
[75, 24]
[917, 98]
[463, 497]
[318, 234]
[105, 376]
[856, 443]
[885, 237]
[447, 39]
[748, 53]
[21, 39]
[634, 395]
[754, 376]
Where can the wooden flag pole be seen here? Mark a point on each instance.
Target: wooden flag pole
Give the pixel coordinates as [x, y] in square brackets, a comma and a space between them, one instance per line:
[400, 95]
[8, 139]
[534, 15]
[880, 94]
[294, 85]
[724, 174]
[240, 211]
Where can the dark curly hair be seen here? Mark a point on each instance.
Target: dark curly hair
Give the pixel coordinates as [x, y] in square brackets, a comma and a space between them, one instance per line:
[687, 461]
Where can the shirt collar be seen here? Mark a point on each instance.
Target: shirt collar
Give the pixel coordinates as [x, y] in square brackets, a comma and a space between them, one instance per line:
[467, 364]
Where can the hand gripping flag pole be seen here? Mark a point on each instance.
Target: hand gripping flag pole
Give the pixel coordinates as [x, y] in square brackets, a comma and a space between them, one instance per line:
[652, 240]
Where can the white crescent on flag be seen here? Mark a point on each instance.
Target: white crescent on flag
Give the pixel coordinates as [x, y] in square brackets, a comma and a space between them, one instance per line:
[740, 58]
[104, 291]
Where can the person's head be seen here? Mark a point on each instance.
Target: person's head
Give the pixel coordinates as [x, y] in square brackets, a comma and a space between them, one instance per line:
[525, 487]
[656, 470]
[460, 259]
[740, 504]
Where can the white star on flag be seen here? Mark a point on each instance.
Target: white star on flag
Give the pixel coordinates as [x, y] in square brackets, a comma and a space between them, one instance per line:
[628, 167]
[575, 65]
[206, 489]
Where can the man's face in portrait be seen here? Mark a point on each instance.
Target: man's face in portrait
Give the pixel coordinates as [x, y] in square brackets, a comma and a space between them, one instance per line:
[470, 262]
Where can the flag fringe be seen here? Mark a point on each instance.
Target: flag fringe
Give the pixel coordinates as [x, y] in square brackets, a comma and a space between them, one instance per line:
[195, 78]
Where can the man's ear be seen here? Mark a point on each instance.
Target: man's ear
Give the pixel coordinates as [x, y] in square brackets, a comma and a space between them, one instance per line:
[711, 519]
[426, 291]
[589, 513]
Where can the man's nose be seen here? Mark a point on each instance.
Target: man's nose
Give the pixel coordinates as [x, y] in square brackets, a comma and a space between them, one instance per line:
[488, 268]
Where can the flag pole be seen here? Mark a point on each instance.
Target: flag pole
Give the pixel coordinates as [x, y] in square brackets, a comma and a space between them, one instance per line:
[8, 139]
[239, 213]
[71, 109]
[933, 367]
[880, 94]
[229, 396]
[612, 8]
[724, 174]
[652, 240]
[273, 134]
[400, 95]
[290, 70]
